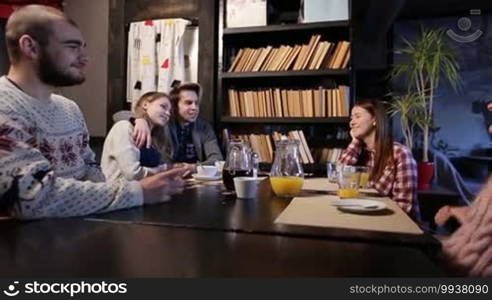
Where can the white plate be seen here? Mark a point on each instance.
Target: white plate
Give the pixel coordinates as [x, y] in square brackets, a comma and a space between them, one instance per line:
[359, 205]
[369, 191]
[206, 178]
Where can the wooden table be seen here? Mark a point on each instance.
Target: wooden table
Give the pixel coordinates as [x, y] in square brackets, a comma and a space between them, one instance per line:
[79, 248]
[207, 208]
[204, 233]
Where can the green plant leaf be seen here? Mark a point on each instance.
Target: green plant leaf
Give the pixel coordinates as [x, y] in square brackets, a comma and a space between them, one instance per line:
[427, 60]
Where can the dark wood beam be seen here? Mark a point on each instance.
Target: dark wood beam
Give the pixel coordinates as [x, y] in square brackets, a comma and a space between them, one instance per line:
[442, 8]
[116, 60]
[379, 18]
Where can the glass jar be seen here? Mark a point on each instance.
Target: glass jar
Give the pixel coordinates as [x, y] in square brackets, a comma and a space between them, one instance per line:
[287, 175]
[237, 163]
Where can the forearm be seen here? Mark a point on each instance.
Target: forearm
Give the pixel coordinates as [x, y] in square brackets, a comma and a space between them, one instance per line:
[212, 156]
[93, 173]
[351, 154]
[71, 198]
[405, 186]
[404, 199]
[93, 170]
[211, 149]
[36, 192]
[468, 249]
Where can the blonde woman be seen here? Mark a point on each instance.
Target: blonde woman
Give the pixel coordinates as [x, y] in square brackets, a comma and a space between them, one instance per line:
[190, 138]
[121, 158]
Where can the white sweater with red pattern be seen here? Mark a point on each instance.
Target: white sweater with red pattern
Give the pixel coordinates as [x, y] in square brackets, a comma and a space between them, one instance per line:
[47, 168]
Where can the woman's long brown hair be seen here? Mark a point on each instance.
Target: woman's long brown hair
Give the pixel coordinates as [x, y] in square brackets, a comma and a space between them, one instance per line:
[383, 139]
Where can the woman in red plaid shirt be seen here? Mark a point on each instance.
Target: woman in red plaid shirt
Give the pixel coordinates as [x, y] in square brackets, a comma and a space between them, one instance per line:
[393, 169]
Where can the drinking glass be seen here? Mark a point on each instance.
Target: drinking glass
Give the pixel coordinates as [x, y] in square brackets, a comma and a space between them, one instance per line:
[363, 176]
[332, 171]
[348, 181]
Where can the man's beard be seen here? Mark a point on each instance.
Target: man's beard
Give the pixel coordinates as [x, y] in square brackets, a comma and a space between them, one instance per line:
[49, 73]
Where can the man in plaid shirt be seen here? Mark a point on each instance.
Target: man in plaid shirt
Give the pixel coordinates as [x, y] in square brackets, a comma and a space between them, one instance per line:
[394, 171]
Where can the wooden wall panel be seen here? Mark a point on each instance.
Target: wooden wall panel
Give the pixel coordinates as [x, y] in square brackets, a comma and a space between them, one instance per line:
[138, 10]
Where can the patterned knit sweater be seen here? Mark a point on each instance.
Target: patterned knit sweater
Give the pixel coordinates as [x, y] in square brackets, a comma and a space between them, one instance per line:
[46, 166]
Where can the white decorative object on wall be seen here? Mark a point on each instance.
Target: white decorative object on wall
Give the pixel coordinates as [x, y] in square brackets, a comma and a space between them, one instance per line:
[141, 70]
[170, 53]
[155, 56]
[324, 10]
[244, 13]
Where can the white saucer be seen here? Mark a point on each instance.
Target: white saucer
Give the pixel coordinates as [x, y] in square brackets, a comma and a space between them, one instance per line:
[206, 178]
[359, 205]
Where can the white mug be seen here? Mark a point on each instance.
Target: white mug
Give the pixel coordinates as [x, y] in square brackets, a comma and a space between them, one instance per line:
[220, 165]
[206, 171]
[246, 187]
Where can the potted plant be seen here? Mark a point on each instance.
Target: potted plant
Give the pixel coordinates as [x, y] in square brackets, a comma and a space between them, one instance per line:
[408, 107]
[428, 61]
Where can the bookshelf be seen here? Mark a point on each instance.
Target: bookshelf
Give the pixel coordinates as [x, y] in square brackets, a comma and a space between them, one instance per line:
[286, 120]
[284, 27]
[273, 74]
[281, 92]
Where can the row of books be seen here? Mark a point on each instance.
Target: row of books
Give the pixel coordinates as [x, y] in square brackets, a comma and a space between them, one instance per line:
[278, 103]
[263, 144]
[260, 143]
[324, 155]
[312, 56]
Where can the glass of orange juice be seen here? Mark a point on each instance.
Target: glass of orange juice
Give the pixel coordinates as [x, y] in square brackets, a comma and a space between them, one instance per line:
[286, 186]
[348, 182]
[363, 176]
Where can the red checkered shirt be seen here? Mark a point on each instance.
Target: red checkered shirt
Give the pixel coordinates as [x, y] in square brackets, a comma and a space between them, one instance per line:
[399, 180]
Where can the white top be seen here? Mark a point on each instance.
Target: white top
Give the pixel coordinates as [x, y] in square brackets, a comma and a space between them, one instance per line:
[120, 157]
[47, 168]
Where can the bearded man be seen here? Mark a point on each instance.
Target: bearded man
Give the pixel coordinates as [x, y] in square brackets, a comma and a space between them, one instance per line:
[47, 168]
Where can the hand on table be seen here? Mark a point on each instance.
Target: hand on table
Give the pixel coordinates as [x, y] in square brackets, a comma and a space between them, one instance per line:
[447, 212]
[469, 249]
[190, 168]
[158, 187]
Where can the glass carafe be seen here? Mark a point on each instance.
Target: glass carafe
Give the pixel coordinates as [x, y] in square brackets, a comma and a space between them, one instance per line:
[237, 163]
[287, 175]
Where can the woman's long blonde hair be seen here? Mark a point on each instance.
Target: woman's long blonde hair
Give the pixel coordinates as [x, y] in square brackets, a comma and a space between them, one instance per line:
[158, 136]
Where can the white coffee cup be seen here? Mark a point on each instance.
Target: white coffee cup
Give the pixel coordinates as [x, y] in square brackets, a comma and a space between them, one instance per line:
[206, 171]
[220, 165]
[246, 187]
